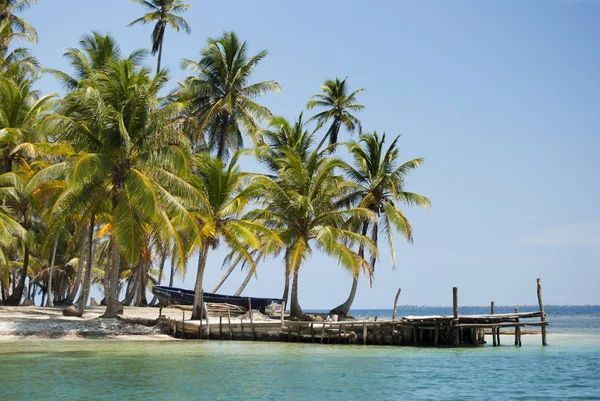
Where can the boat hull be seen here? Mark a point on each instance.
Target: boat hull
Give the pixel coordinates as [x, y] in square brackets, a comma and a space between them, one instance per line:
[180, 296]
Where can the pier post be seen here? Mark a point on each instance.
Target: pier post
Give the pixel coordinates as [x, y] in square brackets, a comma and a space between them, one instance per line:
[220, 327]
[183, 324]
[517, 331]
[201, 317]
[543, 317]
[492, 310]
[364, 334]
[396, 303]
[455, 330]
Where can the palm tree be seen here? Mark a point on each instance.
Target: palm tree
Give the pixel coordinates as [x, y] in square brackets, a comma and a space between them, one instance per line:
[221, 212]
[17, 24]
[128, 162]
[16, 63]
[339, 107]
[303, 202]
[381, 185]
[163, 12]
[220, 97]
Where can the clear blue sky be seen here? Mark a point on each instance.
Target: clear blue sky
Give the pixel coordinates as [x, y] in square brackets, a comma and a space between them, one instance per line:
[502, 99]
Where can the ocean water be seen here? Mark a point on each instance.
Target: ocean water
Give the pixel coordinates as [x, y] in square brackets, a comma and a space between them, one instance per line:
[568, 368]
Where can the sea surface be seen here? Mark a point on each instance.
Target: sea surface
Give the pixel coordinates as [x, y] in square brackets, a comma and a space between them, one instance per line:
[568, 368]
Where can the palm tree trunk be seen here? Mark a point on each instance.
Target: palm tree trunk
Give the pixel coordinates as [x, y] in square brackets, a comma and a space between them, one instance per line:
[130, 291]
[50, 301]
[344, 308]
[332, 131]
[75, 289]
[223, 278]
[160, 48]
[286, 289]
[221, 150]
[197, 312]
[111, 285]
[295, 309]
[15, 298]
[244, 284]
[141, 299]
[79, 307]
[163, 259]
[172, 273]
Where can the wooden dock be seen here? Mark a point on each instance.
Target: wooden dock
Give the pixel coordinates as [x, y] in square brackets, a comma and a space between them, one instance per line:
[455, 330]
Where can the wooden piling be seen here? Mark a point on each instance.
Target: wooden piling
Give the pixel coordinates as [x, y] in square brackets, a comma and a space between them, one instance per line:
[492, 311]
[229, 324]
[322, 332]
[455, 331]
[312, 333]
[543, 317]
[242, 328]
[282, 313]
[517, 331]
[251, 319]
[220, 327]
[396, 303]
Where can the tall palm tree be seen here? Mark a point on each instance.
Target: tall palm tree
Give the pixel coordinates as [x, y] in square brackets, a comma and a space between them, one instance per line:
[163, 13]
[128, 164]
[221, 212]
[8, 8]
[220, 96]
[381, 182]
[339, 106]
[16, 63]
[303, 201]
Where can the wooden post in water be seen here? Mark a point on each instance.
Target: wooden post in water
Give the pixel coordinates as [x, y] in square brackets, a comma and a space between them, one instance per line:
[455, 331]
[207, 319]
[220, 327]
[364, 334]
[183, 324]
[396, 303]
[543, 317]
[282, 313]
[251, 319]
[242, 327]
[492, 311]
[517, 331]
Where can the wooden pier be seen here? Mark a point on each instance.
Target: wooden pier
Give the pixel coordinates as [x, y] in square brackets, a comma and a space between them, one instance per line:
[455, 330]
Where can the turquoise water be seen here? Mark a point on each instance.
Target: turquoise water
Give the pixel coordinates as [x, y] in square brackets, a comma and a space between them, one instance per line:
[569, 368]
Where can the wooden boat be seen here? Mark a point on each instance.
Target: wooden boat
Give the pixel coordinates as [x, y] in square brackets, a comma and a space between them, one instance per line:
[180, 296]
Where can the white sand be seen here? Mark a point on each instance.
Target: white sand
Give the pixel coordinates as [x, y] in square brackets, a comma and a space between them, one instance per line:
[23, 322]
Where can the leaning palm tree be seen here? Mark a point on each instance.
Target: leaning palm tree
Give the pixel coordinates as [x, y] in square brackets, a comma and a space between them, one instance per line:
[163, 13]
[220, 96]
[339, 106]
[221, 212]
[381, 183]
[303, 202]
[17, 24]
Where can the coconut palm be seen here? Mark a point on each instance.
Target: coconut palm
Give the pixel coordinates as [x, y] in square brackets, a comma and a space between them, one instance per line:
[221, 212]
[220, 96]
[381, 182]
[16, 63]
[303, 202]
[339, 106]
[163, 13]
[128, 163]
[8, 8]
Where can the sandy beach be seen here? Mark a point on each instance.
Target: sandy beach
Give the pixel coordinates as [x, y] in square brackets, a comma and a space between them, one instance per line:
[23, 322]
